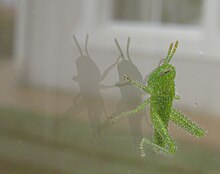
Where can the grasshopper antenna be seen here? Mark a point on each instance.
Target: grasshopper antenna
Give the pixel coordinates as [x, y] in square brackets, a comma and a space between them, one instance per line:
[86, 44]
[173, 51]
[119, 48]
[168, 53]
[77, 44]
[128, 44]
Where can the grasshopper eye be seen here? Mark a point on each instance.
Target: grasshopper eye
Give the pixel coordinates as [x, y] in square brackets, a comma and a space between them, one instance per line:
[165, 72]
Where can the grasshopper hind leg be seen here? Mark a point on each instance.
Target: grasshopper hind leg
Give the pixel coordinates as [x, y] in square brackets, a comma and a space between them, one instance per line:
[163, 143]
[189, 126]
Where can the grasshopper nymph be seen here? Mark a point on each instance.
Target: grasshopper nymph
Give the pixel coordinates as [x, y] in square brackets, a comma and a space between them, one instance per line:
[161, 87]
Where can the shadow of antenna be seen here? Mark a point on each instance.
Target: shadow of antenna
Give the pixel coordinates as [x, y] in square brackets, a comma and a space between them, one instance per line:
[89, 100]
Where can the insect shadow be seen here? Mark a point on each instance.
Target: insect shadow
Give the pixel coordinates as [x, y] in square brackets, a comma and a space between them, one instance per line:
[89, 98]
[131, 97]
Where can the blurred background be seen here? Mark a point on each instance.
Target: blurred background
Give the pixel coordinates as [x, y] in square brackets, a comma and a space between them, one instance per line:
[57, 91]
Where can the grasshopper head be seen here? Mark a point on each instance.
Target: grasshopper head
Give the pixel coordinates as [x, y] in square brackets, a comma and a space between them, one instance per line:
[165, 72]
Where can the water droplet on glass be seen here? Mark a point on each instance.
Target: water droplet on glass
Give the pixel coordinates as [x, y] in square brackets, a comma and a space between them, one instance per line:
[201, 52]
[195, 104]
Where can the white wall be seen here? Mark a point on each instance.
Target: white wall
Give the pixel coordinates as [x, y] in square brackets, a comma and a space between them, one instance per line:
[46, 53]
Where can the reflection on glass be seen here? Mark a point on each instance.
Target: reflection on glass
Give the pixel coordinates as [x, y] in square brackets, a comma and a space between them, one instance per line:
[31, 106]
[7, 17]
[186, 12]
[181, 12]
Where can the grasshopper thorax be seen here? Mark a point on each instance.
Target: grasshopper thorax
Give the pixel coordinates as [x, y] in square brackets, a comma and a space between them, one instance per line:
[164, 74]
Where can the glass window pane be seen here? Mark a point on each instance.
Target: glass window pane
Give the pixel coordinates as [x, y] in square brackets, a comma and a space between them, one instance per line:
[130, 10]
[187, 12]
[181, 12]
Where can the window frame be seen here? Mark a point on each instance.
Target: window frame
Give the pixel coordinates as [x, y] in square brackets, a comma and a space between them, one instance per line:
[202, 40]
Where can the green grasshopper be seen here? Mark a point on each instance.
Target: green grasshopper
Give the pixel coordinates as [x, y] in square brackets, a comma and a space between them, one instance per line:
[161, 87]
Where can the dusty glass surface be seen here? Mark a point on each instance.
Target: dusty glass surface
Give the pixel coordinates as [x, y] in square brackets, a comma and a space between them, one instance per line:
[59, 86]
